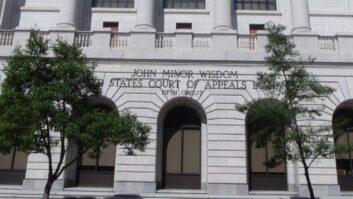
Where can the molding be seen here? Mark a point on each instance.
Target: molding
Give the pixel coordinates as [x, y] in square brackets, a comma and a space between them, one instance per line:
[40, 9]
[185, 11]
[258, 12]
[113, 10]
[331, 14]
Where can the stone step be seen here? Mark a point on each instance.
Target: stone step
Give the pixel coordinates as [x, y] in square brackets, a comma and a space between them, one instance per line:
[163, 194]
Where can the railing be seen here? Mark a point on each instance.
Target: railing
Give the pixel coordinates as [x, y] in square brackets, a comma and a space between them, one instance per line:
[119, 40]
[165, 40]
[6, 38]
[83, 39]
[201, 41]
[247, 42]
[327, 43]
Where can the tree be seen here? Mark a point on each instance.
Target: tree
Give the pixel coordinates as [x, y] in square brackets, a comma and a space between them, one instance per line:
[45, 102]
[297, 137]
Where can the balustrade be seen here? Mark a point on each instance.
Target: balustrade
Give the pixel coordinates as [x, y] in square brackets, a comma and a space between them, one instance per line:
[119, 40]
[201, 41]
[247, 42]
[6, 38]
[327, 43]
[165, 40]
[83, 39]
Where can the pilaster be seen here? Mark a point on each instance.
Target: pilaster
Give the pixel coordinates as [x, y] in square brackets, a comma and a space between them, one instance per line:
[222, 15]
[145, 15]
[68, 12]
[300, 15]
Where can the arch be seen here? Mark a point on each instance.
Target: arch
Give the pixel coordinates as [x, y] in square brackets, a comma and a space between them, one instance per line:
[103, 102]
[259, 173]
[92, 171]
[342, 121]
[174, 104]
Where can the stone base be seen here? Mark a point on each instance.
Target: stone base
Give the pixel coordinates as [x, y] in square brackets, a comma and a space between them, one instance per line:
[320, 190]
[134, 187]
[293, 188]
[36, 184]
[228, 189]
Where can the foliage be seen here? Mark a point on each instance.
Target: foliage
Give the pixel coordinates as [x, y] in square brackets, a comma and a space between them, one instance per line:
[46, 100]
[298, 137]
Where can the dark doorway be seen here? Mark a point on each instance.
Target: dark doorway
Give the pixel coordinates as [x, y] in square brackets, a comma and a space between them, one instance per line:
[13, 167]
[261, 174]
[181, 150]
[97, 169]
[343, 121]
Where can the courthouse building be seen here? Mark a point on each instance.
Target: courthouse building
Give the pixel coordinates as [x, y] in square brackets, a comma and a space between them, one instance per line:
[181, 66]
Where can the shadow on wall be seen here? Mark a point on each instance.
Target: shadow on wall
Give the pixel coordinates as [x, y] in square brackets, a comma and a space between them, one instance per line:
[120, 196]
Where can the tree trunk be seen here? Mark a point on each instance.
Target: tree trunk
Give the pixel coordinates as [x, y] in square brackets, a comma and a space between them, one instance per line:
[47, 189]
[308, 181]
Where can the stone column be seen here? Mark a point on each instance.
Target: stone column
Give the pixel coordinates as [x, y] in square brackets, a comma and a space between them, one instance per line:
[300, 16]
[67, 17]
[224, 37]
[145, 15]
[222, 15]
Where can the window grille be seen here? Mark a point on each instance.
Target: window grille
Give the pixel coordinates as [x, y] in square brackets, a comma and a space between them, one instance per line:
[185, 4]
[113, 3]
[255, 4]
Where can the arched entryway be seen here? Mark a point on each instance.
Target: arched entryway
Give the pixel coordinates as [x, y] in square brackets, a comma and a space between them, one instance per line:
[264, 171]
[343, 122]
[93, 169]
[97, 170]
[180, 134]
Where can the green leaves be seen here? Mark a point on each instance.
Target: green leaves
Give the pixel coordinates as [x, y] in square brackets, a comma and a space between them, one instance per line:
[48, 89]
[45, 100]
[285, 118]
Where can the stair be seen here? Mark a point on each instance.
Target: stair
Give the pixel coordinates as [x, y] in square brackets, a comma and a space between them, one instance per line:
[97, 193]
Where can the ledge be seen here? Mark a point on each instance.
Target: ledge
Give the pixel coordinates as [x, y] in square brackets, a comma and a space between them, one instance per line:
[113, 10]
[286, 193]
[347, 193]
[258, 12]
[185, 11]
[39, 9]
[331, 14]
[90, 189]
[11, 187]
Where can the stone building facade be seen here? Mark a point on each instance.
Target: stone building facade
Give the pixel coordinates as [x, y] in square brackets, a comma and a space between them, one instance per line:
[181, 66]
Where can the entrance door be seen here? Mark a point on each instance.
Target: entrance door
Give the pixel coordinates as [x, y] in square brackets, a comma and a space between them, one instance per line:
[183, 159]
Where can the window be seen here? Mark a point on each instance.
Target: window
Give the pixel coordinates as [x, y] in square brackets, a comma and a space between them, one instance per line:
[263, 164]
[97, 169]
[13, 167]
[113, 3]
[344, 161]
[185, 4]
[114, 26]
[255, 4]
[183, 26]
[253, 29]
